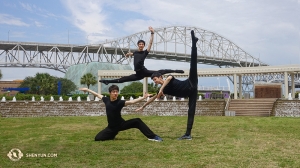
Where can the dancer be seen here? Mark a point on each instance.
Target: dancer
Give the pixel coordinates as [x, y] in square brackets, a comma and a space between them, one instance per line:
[138, 61]
[186, 88]
[115, 121]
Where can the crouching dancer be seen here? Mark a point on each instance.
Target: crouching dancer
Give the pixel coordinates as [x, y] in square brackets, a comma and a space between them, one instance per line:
[115, 121]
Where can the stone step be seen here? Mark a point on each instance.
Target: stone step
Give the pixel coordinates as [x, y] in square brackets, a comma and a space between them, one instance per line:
[250, 107]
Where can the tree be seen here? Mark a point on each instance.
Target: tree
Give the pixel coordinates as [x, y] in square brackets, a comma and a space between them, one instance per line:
[88, 79]
[0, 75]
[136, 87]
[153, 88]
[43, 83]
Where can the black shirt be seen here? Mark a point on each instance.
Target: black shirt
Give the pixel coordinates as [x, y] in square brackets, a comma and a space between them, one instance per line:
[139, 59]
[178, 88]
[113, 111]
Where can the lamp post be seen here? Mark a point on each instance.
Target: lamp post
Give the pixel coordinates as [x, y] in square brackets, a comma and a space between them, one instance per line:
[8, 35]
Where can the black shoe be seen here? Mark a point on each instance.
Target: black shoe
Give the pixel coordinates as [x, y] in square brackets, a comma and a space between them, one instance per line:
[185, 137]
[156, 138]
[194, 39]
[179, 71]
[104, 81]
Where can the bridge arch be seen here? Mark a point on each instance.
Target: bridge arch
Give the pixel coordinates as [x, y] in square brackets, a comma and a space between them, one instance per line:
[171, 43]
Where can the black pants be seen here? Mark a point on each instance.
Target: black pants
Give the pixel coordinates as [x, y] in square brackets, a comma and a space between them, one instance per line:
[193, 79]
[141, 74]
[110, 134]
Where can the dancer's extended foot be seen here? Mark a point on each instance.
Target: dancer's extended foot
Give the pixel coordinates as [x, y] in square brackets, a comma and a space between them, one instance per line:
[104, 81]
[179, 71]
[165, 71]
[194, 39]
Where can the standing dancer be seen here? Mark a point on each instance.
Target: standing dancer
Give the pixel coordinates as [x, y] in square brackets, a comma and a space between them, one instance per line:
[115, 121]
[138, 61]
[186, 88]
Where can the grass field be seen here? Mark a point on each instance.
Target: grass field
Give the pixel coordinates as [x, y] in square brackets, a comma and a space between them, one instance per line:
[217, 142]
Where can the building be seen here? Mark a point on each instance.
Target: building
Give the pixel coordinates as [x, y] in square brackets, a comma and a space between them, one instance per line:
[9, 84]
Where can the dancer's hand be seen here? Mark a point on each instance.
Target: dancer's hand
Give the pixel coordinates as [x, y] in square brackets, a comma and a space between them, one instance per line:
[151, 29]
[147, 95]
[84, 89]
[139, 109]
[128, 54]
[160, 93]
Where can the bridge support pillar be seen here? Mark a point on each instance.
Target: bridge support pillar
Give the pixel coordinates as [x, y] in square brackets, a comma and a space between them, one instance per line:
[240, 87]
[235, 86]
[286, 85]
[145, 85]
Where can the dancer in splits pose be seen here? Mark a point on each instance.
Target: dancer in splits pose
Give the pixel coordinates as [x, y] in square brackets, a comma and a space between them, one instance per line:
[115, 121]
[138, 61]
[186, 88]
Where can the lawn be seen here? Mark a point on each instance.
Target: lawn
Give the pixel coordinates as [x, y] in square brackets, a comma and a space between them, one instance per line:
[217, 142]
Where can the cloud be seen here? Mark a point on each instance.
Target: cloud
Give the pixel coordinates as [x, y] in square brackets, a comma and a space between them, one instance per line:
[26, 6]
[38, 24]
[38, 11]
[11, 20]
[258, 27]
[233, 1]
[88, 16]
[32, 8]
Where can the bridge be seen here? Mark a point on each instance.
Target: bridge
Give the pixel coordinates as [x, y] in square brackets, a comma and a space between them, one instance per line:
[171, 43]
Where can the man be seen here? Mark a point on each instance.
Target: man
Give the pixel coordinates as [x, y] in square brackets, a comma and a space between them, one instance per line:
[115, 121]
[138, 61]
[186, 88]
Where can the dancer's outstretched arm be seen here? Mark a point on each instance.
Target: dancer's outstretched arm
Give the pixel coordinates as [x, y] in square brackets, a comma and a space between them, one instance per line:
[94, 93]
[148, 102]
[137, 100]
[151, 39]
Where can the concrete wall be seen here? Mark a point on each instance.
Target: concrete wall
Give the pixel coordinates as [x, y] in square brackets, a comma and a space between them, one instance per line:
[286, 108]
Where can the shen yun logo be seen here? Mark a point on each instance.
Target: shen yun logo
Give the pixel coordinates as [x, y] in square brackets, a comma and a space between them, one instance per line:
[15, 154]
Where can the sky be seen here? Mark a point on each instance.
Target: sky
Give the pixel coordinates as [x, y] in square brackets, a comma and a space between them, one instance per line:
[266, 29]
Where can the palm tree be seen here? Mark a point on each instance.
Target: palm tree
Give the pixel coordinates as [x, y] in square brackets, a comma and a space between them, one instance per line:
[88, 79]
[44, 82]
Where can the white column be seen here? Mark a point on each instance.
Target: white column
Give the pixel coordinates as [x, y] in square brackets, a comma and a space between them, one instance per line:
[253, 88]
[145, 85]
[286, 85]
[293, 84]
[234, 86]
[99, 85]
[240, 87]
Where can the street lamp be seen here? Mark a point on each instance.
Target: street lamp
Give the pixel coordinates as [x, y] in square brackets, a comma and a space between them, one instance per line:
[219, 82]
[8, 35]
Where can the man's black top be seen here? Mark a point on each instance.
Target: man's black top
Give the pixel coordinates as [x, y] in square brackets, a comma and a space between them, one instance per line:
[113, 112]
[139, 59]
[178, 88]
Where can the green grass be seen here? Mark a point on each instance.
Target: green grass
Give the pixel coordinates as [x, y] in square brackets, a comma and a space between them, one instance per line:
[217, 142]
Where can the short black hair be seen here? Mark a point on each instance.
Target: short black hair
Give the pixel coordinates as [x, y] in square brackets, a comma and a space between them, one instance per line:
[141, 41]
[156, 74]
[113, 87]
